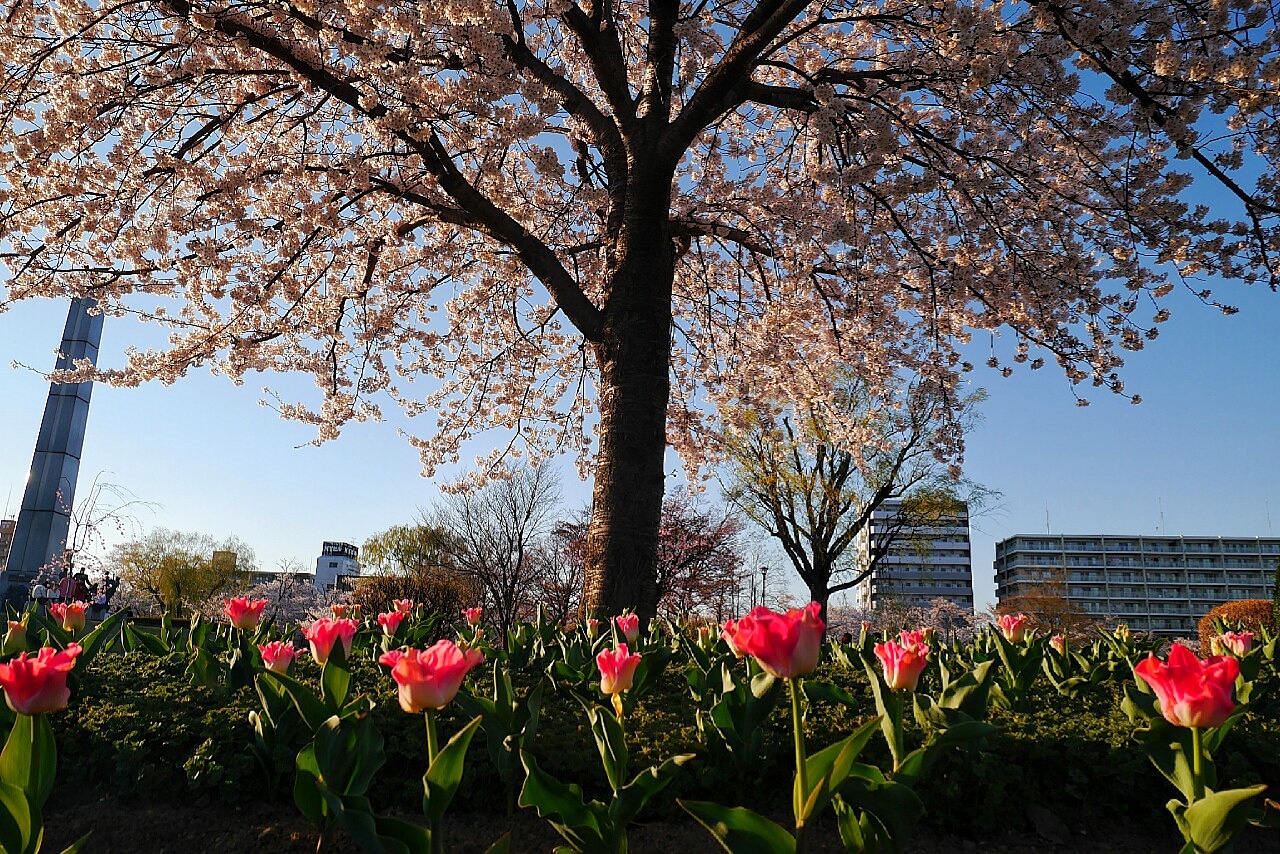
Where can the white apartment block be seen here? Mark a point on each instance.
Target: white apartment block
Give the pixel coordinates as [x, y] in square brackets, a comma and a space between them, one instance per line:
[1155, 584]
[913, 564]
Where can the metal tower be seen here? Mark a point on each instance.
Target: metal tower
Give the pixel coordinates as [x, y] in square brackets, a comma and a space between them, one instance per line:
[45, 517]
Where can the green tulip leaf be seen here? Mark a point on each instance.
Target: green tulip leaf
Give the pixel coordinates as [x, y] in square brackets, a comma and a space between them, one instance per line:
[440, 783]
[310, 706]
[1215, 819]
[739, 830]
[398, 836]
[30, 757]
[20, 822]
[335, 678]
[631, 798]
[551, 798]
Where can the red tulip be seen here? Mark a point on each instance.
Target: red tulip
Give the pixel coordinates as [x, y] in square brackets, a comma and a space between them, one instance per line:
[278, 655]
[391, 621]
[629, 625]
[429, 679]
[617, 669]
[323, 633]
[1192, 693]
[902, 663]
[1013, 626]
[35, 685]
[473, 615]
[786, 645]
[244, 613]
[69, 614]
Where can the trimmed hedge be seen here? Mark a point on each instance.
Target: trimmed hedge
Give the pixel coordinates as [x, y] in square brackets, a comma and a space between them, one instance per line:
[1252, 614]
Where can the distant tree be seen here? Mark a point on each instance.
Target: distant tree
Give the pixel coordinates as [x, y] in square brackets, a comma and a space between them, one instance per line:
[1050, 608]
[291, 594]
[1275, 595]
[494, 535]
[178, 570]
[104, 509]
[405, 549]
[437, 590]
[560, 573]
[802, 478]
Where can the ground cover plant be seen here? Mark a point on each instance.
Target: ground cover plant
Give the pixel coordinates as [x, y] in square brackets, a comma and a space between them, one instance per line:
[766, 734]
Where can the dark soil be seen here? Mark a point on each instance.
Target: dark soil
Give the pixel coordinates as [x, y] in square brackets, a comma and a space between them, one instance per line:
[131, 826]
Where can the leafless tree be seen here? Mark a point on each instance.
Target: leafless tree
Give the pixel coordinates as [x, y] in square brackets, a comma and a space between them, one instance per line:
[494, 536]
[817, 495]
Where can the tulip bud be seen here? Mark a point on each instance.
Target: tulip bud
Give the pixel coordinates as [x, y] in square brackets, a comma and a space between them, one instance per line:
[629, 625]
[16, 638]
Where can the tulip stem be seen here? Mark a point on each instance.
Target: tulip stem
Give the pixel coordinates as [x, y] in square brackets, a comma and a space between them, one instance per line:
[1197, 765]
[801, 792]
[433, 740]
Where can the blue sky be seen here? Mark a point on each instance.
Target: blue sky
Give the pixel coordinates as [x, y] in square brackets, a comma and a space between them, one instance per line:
[1201, 449]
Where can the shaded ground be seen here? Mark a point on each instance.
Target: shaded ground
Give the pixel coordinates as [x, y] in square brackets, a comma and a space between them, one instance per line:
[123, 826]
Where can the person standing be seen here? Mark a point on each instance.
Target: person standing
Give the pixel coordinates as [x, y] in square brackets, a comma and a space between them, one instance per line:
[39, 593]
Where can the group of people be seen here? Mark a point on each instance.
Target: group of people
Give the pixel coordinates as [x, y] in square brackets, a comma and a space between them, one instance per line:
[76, 587]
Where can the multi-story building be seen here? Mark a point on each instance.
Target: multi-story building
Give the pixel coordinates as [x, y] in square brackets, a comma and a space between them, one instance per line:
[7, 527]
[337, 564]
[1158, 584]
[916, 558]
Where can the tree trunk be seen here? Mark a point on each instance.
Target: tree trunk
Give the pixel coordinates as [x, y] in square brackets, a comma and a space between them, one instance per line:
[633, 357]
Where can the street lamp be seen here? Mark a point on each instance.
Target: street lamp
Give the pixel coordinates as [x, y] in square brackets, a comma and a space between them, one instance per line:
[764, 586]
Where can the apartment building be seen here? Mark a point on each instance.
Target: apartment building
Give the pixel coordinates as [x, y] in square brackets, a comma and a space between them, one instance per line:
[917, 557]
[1158, 584]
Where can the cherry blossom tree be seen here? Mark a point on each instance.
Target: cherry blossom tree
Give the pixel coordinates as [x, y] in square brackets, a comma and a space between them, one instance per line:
[584, 223]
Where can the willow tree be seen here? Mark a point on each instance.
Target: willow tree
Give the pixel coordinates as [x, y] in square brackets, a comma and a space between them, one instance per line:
[583, 222]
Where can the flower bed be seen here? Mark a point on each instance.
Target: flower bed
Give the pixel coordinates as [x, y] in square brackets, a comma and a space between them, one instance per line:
[1001, 737]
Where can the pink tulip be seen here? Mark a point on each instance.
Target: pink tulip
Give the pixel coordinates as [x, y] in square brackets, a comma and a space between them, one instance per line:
[902, 664]
[429, 679]
[391, 620]
[35, 685]
[1192, 693]
[629, 625]
[617, 669]
[70, 615]
[593, 628]
[278, 655]
[323, 633]
[243, 613]
[405, 605]
[728, 633]
[1237, 643]
[473, 615]
[1059, 643]
[1013, 626]
[912, 640]
[786, 645]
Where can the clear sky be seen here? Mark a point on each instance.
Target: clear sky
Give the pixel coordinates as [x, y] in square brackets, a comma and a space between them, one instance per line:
[1199, 456]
